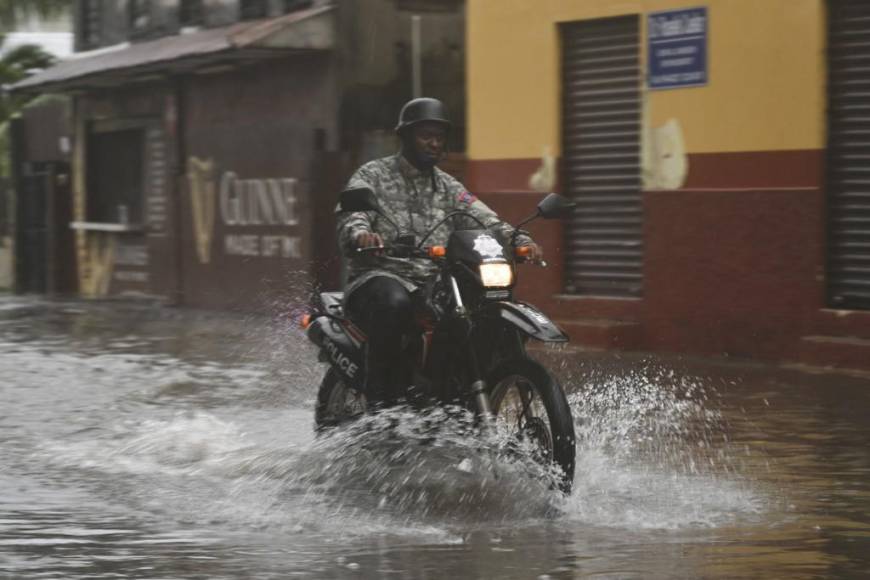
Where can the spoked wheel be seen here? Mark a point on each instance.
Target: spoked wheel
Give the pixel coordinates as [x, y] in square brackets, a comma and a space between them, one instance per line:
[527, 401]
[336, 402]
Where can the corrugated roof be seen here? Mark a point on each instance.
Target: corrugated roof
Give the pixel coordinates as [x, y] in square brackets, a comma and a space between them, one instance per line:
[297, 31]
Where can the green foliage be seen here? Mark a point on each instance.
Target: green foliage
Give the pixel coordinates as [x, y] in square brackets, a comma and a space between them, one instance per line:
[12, 11]
[14, 66]
[21, 61]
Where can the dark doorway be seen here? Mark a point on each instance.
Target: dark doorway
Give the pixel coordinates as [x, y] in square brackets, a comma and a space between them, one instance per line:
[44, 243]
[31, 248]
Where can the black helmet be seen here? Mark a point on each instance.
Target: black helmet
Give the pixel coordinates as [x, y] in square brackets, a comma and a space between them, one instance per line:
[423, 109]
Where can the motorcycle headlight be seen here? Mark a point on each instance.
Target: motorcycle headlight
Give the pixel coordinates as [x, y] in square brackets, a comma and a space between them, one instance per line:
[499, 275]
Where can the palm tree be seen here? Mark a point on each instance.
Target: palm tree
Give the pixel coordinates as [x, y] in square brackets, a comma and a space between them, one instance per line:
[12, 11]
[16, 64]
[22, 60]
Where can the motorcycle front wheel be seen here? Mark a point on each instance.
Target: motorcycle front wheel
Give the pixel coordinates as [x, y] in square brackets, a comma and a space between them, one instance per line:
[336, 402]
[528, 401]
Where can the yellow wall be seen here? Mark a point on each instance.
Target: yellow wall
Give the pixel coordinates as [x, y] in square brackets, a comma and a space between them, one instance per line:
[766, 88]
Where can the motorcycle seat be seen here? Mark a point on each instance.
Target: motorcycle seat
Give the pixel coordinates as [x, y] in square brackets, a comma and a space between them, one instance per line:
[332, 302]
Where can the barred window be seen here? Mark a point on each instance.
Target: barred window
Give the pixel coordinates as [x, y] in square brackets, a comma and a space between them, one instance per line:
[90, 24]
[251, 9]
[428, 5]
[140, 15]
[294, 5]
[191, 13]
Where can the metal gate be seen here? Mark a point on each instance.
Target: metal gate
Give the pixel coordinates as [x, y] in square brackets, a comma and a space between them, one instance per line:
[601, 136]
[848, 166]
[44, 243]
[31, 241]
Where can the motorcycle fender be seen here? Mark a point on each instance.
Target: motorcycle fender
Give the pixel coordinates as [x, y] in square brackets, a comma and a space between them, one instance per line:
[528, 319]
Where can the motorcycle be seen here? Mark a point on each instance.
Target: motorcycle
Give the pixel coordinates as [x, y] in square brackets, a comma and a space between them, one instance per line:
[471, 350]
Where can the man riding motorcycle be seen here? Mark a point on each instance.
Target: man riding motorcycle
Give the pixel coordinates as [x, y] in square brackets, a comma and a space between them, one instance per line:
[384, 292]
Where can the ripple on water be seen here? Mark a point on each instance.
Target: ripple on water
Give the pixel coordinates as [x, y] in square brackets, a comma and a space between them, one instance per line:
[650, 456]
[410, 470]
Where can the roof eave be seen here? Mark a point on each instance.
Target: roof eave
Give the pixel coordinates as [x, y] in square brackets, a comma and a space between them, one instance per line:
[301, 32]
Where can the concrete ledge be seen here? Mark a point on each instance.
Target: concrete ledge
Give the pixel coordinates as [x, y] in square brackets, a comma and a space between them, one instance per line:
[602, 333]
[570, 305]
[835, 351]
[830, 322]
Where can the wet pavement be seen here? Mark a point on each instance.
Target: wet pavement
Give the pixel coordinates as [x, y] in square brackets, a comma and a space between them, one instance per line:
[146, 442]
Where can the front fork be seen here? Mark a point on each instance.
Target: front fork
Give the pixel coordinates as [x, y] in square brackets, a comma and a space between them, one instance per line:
[478, 385]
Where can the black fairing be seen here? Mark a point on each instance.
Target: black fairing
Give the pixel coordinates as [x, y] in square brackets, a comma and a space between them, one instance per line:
[528, 319]
[466, 250]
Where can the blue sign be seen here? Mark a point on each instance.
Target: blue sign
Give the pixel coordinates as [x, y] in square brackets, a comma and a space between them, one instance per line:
[677, 49]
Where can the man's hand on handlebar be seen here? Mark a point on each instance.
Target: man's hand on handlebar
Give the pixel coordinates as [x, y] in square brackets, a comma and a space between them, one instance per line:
[535, 253]
[365, 239]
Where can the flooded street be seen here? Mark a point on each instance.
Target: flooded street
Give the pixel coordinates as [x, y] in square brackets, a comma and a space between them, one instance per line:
[146, 442]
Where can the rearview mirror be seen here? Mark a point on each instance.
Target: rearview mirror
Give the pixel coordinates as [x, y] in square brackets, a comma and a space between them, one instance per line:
[358, 199]
[555, 206]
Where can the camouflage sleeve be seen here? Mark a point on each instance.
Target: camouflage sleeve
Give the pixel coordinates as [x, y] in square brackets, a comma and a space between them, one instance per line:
[348, 225]
[468, 202]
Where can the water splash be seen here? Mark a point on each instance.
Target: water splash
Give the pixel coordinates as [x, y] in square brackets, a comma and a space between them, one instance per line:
[434, 465]
[653, 452]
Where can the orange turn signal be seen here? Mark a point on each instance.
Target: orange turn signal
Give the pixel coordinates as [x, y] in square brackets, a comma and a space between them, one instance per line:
[522, 251]
[305, 321]
[437, 252]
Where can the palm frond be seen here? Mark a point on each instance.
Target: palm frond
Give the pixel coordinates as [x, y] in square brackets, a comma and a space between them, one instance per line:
[13, 11]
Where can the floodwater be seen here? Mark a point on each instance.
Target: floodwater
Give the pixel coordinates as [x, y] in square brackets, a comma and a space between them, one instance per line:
[146, 442]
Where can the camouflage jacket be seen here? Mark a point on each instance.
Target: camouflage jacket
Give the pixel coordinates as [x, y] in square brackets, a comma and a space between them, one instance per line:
[415, 201]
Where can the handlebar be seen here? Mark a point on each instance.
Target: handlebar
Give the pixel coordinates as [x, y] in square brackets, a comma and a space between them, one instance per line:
[521, 253]
[399, 251]
[523, 260]
[432, 252]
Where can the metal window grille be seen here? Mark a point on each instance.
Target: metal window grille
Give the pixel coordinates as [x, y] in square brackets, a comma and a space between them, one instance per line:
[848, 154]
[252, 9]
[429, 5]
[601, 135]
[140, 15]
[294, 5]
[90, 21]
[190, 13]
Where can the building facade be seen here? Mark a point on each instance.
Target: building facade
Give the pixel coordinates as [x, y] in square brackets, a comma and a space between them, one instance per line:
[718, 153]
[210, 138]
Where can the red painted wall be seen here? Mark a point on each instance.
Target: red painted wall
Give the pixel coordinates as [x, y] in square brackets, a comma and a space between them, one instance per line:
[731, 272]
[733, 265]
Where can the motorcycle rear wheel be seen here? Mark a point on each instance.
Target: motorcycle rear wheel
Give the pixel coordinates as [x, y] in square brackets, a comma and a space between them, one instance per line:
[336, 402]
[528, 401]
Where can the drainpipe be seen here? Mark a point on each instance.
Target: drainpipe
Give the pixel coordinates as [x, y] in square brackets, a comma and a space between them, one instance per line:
[180, 185]
[416, 55]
